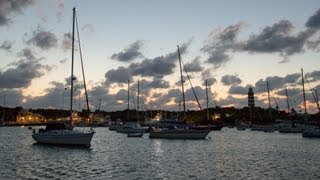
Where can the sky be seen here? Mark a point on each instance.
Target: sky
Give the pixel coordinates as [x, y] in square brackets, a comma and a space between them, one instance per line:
[232, 44]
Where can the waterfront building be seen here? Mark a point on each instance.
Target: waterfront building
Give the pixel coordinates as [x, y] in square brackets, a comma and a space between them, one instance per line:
[27, 117]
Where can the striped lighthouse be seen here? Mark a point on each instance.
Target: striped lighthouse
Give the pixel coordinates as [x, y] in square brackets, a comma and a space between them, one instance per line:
[250, 98]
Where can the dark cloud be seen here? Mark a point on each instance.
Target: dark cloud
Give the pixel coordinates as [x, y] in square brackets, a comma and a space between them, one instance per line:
[313, 76]
[230, 80]
[12, 7]
[210, 81]
[220, 43]
[159, 66]
[66, 41]
[233, 101]
[56, 97]
[6, 45]
[120, 75]
[314, 21]
[239, 90]
[27, 53]
[13, 97]
[194, 66]
[22, 74]
[276, 82]
[154, 84]
[278, 38]
[43, 39]
[130, 53]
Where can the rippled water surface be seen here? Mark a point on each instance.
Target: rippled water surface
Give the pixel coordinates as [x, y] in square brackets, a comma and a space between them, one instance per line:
[228, 154]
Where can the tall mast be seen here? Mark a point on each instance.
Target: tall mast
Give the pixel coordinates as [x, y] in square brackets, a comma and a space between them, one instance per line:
[304, 94]
[138, 101]
[138, 97]
[288, 105]
[72, 59]
[207, 100]
[269, 101]
[3, 109]
[99, 105]
[182, 86]
[128, 97]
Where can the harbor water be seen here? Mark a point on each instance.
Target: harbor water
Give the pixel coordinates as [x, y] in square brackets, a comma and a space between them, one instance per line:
[226, 154]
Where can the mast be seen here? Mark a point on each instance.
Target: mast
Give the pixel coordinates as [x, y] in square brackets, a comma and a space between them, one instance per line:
[182, 86]
[269, 101]
[138, 100]
[288, 105]
[99, 105]
[304, 95]
[138, 97]
[3, 109]
[128, 103]
[207, 100]
[72, 59]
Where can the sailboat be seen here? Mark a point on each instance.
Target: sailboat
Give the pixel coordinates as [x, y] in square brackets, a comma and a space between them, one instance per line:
[60, 133]
[311, 131]
[179, 132]
[3, 111]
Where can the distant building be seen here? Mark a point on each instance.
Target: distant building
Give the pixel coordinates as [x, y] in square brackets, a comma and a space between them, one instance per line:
[26, 117]
[251, 98]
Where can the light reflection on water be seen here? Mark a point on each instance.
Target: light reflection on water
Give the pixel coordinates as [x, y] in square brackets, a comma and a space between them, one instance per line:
[229, 154]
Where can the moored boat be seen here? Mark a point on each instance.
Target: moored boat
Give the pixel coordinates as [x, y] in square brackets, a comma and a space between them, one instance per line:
[60, 134]
[179, 133]
[135, 134]
[63, 133]
[311, 132]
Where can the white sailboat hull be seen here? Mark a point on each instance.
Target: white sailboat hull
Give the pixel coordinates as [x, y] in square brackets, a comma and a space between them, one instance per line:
[180, 134]
[65, 137]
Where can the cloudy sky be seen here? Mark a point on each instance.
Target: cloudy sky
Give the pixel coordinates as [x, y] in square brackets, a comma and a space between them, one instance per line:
[232, 44]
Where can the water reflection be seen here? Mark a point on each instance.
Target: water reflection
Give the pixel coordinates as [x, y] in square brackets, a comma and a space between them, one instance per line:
[230, 154]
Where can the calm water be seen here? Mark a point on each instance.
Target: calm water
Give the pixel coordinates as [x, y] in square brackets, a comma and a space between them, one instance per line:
[229, 154]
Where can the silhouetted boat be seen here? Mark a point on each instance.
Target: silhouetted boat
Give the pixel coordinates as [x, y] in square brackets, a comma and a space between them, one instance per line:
[135, 134]
[179, 132]
[132, 127]
[62, 133]
[311, 132]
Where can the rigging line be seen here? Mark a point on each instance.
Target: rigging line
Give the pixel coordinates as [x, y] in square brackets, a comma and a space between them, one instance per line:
[315, 97]
[134, 104]
[194, 93]
[84, 79]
